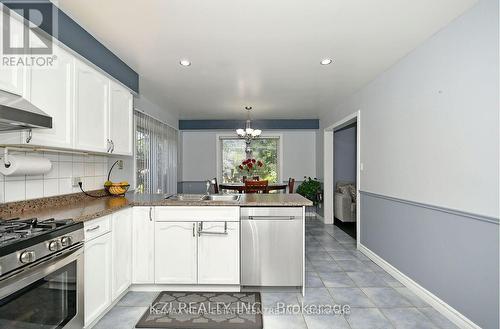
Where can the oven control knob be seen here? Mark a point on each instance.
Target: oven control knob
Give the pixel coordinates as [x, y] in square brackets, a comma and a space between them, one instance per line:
[27, 257]
[66, 241]
[54, 245]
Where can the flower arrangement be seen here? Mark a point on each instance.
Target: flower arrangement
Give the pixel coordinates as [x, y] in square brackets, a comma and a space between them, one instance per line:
[249, 165]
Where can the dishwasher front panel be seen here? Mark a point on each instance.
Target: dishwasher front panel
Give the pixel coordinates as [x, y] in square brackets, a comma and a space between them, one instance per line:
[271, 247]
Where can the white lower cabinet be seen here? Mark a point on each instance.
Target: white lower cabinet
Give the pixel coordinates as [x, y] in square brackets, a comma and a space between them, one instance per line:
[219, 254]
[203, 250]
[143, 245]
[97, 277]
[121, 232]
[175, 252]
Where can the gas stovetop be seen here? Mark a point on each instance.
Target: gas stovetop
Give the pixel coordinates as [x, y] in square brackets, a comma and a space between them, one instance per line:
[14, 230]
[25, 241]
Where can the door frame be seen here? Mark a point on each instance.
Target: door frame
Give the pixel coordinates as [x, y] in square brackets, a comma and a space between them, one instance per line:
[328, 168]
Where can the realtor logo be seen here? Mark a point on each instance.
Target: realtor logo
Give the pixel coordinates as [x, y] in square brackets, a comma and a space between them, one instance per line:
[27, 30]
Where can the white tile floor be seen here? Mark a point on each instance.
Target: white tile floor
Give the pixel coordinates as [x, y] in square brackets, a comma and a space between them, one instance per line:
[336, 273]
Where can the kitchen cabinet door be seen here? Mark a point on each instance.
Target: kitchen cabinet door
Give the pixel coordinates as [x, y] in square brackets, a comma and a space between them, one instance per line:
[218, 254]
[143, 244]
[91, 109]
[12, 77]
[175, 252]
[121, 251]
[120, 119]
[97, 276]
[51, 90]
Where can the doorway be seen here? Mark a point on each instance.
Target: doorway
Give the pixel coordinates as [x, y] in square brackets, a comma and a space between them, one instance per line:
[342, 174]
[345, 178]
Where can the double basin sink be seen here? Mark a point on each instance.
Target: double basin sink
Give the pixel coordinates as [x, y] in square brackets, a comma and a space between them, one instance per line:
[206, 197]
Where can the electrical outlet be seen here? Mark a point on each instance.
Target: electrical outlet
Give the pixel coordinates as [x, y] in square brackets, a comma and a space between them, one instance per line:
[76, 180]
[120, 164]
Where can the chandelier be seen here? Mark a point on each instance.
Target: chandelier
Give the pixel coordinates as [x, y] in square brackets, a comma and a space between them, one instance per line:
[248, 134]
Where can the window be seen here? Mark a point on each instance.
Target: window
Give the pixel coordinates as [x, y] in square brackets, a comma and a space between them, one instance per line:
[155, 155]
[266, 149]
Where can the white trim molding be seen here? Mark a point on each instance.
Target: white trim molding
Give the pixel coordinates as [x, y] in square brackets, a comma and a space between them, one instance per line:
[328, 168]
[442, 307]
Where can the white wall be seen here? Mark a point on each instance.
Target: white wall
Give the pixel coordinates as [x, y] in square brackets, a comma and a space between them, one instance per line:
[430, 124]
[199, 156]
[163, 113]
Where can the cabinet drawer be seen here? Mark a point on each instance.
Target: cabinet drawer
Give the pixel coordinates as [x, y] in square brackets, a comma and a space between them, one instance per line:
[197, 214]
[97, 227]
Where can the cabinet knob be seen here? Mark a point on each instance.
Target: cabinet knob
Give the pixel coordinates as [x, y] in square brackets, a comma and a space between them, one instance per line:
[27, 257]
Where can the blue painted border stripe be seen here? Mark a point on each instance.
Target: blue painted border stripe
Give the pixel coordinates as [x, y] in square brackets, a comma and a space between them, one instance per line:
[260, 124]
[79, 40]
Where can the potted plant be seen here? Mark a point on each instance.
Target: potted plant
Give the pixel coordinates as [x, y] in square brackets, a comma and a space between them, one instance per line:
[310, 189]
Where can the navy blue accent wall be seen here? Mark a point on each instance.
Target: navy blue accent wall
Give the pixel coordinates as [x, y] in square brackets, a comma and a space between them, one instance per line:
[75, 37]
[260, 124]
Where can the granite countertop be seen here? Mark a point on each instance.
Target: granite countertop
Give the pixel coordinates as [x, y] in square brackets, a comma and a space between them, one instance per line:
[83, 208]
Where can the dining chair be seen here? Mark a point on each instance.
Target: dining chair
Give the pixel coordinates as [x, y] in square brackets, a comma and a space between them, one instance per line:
[291, 183]
[256, 186]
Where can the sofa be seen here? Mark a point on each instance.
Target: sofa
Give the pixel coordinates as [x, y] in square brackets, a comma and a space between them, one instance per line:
[345, 201]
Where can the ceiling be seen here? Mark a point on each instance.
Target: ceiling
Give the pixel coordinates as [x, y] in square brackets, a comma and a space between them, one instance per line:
[260, 53]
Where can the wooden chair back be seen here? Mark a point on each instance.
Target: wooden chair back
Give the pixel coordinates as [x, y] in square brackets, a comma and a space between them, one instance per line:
[291, 183]
[256, 186]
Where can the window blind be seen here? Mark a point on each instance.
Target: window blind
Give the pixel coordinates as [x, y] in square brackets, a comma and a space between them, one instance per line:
[156, 155]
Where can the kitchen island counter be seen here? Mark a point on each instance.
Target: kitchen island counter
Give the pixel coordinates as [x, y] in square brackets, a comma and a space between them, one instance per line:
[80, 207]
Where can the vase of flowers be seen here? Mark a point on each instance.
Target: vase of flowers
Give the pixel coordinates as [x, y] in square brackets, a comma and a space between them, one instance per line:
[248, 166]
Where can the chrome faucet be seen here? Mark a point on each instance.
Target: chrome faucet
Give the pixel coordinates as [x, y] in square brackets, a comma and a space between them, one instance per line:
[209, 183]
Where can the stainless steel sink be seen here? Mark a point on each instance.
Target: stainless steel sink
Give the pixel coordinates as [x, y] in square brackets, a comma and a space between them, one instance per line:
[222, 197]
[205, 197]
[187, 197]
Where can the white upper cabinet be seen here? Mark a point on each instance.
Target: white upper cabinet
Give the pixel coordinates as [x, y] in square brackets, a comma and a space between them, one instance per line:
[12, 78]
[121, 223]
[120, 119]
[51, 90]
[91, 109]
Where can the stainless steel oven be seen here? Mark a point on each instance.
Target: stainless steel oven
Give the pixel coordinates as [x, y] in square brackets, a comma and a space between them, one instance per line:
[47, 294]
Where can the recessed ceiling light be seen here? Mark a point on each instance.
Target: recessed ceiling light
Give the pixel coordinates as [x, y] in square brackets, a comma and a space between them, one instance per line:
[326, 61]
[185, 62]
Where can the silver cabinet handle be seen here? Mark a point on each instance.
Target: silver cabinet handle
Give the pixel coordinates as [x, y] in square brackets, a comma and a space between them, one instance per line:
[150, 217]
[194, 230]
[200, 230]
[271, 217]
[112, 146]
[93, 228]
[108, 141]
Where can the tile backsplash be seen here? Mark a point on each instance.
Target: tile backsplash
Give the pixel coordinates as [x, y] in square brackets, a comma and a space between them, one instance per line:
[92, 168]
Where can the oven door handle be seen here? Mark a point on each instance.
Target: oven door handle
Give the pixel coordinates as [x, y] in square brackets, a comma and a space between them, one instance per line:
[39, 270]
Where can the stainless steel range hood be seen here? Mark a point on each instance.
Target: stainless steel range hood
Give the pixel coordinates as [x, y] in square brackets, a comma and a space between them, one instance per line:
[16, 113]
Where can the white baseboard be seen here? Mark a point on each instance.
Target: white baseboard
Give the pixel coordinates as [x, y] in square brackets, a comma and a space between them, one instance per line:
[449, 312]
[185, 287]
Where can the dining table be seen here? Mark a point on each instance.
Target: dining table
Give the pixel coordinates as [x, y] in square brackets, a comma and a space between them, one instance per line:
[240, 187]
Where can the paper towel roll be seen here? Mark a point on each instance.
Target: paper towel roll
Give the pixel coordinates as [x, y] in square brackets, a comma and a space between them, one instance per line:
[24, 165]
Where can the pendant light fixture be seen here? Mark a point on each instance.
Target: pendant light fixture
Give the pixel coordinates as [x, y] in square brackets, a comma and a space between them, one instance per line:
[248, 133]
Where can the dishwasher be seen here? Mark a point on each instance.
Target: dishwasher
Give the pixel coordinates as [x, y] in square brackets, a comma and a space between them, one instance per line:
[272, 246]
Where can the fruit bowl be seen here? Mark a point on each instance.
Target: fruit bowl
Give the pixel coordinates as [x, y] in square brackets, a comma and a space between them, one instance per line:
[117, 188]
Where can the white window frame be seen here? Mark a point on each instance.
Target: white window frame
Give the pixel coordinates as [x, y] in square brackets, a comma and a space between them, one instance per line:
[218, 144]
